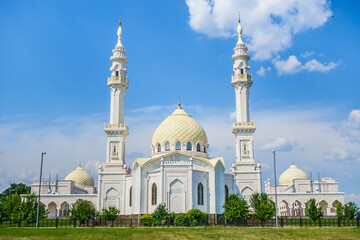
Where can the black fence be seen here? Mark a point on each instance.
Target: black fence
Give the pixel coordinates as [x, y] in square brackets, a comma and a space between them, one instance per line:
[133, 221]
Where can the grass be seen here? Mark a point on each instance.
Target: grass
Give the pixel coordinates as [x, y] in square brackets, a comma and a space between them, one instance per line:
[180, 233]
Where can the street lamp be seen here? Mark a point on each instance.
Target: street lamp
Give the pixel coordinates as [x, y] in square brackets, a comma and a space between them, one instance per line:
[276, 208]
[38, 206]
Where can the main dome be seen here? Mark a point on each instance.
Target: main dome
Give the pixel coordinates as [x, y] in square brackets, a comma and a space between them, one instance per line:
[179, 126]
[292, 173]
[81, 177]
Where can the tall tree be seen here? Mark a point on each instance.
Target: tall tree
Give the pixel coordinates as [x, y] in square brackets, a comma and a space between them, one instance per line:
[16, 208]
[263, 207]
[350, 210]
[236, 208]
[313, 210]
[82, 210]
[340, 211]
[15, 189]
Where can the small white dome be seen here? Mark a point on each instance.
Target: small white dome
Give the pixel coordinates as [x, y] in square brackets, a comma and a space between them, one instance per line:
[292, 173]
[81, 177]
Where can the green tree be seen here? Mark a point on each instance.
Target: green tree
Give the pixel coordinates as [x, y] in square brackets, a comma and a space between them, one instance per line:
[339, 211]
[197, 217]
[236, 208]
[28, 209]
[313, 210]
[110, 213]
[82, 210]
[9, 207]
[16, 189]
[263, 207]
[160, 215]
[146, 220]
[351, 210]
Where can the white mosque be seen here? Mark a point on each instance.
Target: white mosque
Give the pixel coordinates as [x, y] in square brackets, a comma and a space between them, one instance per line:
[179, 172]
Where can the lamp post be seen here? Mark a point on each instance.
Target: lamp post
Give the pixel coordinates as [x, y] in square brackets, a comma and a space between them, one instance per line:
[38, 206]
[276, 208]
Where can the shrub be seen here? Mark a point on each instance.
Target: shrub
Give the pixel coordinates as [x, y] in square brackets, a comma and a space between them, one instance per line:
[146, 220]
[197, 217]
[160, 215]
[182, 220]
[110, 213]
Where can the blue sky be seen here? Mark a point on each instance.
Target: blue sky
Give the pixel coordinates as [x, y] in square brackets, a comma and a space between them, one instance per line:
[55, 63]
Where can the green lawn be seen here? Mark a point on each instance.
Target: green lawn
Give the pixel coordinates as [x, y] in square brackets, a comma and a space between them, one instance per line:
[180, 233]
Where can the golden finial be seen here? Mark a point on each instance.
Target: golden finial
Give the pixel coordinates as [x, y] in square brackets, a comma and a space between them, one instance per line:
[79, 163]
[238, 16]
[120, 21]
[179, 107]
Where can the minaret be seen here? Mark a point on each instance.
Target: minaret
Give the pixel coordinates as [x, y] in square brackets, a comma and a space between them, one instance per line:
[118, 83]
[243, 128]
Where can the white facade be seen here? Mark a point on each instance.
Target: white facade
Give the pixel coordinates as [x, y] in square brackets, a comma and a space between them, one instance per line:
[295, 189]
[179, 171]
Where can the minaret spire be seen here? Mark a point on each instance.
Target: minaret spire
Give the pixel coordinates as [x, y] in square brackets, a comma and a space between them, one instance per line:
[118, 83]
[119, 33]
[239, 31]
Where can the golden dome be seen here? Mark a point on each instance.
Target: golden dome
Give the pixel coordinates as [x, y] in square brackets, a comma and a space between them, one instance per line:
[179, 126]
[81, 177]
[292, 173]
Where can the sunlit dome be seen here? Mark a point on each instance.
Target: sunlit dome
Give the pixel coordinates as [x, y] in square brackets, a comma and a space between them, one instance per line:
[81, 177]
[179, 126]
[292, 173]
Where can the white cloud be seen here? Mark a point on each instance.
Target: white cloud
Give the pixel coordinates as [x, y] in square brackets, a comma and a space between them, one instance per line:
[262, 71]
[293, 65]
[279, 144]
[354, 118]
[306, 54]
[315, 65]
[269, 25]
[289, 66]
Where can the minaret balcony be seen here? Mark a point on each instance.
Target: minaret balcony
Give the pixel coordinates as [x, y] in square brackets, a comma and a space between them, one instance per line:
[244, 127]
[118, 80]
[241, 77]
[117, 128]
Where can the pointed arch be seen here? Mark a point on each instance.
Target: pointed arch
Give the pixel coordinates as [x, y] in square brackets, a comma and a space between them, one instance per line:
[189, 146]
[167, 146]
[198, 148]
[153, 194]
[200, 194]
[178, 146]
[158, 147]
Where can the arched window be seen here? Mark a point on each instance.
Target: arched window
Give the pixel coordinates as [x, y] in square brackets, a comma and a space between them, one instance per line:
[153, 194]
[189, 146]
[200, 194]
[198, 147]
[159, 148]
[226, 192]
[178, 146]
[242, 71]
[167, 146]
[117, 73]
[130, 196]
[204, 149]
